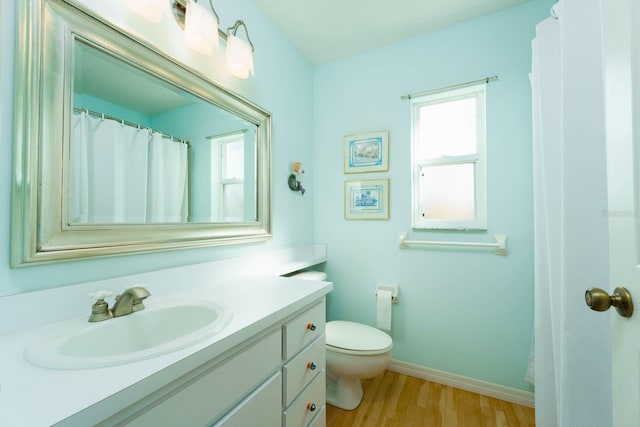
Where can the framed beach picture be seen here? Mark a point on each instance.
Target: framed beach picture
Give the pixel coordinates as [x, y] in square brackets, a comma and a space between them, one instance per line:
[366, 152]
[366, 199]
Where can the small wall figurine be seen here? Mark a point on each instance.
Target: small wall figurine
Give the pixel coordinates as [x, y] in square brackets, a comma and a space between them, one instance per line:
[294, 183]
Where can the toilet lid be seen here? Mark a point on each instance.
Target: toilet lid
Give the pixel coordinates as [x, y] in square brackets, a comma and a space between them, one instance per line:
[356, 337]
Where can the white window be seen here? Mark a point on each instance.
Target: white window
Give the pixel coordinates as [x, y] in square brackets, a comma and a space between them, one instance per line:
[448, 159]
[227, 187]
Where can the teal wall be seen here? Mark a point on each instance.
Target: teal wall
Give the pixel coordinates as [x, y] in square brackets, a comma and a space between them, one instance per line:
[197, 122]
[467, 312]
[282, 85]
[98, 105]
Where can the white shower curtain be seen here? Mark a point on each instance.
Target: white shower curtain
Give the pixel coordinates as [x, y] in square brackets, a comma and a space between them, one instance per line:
[106, 157]
[572, 366]
[79, 197]
[115, 168]
[167, 180]
[134, 154]
[546, 95]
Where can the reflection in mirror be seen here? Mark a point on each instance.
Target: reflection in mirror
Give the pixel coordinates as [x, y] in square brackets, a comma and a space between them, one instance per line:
[145, 151]
[120, 149]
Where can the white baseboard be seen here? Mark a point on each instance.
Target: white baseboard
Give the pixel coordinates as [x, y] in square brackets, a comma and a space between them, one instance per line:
[509, 394]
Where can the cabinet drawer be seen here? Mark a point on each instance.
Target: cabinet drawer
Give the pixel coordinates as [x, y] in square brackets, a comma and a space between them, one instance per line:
[262, 407]
[210, 396]
[321, 418]
[300, 370]
[303, 329]
[307, 405]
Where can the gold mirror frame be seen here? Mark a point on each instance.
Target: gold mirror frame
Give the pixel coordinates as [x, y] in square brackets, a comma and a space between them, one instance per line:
[40, 231]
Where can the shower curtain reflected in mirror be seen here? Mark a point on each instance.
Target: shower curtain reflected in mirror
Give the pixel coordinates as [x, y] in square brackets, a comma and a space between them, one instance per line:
[167, 180]
[125, 174]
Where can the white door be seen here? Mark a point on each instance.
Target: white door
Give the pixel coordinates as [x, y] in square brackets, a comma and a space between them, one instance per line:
[622, 82]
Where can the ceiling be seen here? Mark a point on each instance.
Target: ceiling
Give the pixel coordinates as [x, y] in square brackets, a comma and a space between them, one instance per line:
[327, 30]
[94, 69]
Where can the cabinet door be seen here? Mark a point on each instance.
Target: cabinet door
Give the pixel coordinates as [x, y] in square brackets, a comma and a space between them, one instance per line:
[260, 408]
[212, 395]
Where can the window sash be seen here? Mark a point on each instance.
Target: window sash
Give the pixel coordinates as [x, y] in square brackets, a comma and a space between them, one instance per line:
[478, 159]
[220, 181]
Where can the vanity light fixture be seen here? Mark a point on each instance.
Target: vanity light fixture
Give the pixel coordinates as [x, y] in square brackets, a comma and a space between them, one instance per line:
[200, 26]
[150, 10]
[239, 52]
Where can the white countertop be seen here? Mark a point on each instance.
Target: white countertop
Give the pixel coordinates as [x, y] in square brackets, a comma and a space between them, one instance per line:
[34, 396]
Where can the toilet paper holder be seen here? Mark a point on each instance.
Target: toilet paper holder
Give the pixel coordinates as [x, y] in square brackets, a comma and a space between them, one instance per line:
[392, 288]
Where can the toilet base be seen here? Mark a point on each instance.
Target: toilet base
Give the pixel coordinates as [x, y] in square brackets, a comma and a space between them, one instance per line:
[343, 393]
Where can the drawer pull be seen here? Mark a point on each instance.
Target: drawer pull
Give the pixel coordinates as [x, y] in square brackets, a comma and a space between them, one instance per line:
[311, 326]
[311, 407]
[312, 366]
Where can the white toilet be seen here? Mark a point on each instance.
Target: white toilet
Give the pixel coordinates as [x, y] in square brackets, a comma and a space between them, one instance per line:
[354, 352]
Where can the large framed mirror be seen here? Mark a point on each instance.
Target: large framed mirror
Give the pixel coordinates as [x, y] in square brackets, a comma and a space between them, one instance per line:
[120, 149]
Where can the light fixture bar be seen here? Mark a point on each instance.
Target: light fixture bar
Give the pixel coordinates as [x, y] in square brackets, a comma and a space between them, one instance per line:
[239, 52]
[179, 9]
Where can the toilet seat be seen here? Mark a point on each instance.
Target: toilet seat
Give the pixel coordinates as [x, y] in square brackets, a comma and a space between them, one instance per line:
[355, 338]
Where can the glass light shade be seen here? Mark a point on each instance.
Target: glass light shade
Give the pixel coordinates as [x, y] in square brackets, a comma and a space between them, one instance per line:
[239, 57]
[200, 28]
[150, 10]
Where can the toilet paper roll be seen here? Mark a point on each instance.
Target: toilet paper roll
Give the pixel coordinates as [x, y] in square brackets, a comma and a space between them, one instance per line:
[384, 309]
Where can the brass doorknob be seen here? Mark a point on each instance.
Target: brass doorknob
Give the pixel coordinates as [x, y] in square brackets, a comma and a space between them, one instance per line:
[600, 300]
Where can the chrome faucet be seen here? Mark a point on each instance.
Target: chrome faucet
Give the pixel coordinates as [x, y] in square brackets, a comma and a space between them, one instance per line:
[130, 301]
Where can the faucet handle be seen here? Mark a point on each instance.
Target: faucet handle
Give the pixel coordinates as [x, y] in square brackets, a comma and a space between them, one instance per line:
[100, 309]
[100, 295]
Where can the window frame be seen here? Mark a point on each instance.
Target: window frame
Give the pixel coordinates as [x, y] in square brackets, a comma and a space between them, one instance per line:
[477, 91]
[219, 181]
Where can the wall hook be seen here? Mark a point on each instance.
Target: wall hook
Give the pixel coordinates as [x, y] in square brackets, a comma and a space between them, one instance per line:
[294, 183]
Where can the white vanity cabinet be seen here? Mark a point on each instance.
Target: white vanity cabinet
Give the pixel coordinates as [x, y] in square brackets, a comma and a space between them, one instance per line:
[276, 378]
[206, 399]
[263, 368]
[304, 370]
[302, 392]
[262, 407]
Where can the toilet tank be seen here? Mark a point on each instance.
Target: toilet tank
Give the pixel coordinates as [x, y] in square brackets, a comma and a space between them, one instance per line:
[310, 275]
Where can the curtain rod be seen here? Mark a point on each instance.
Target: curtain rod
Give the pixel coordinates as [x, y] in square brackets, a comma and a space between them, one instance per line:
[233, 132]
[128, 123]
[456, 86]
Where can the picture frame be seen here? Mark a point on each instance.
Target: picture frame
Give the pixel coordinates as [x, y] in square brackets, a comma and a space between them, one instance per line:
[366, 199]
[366, 152]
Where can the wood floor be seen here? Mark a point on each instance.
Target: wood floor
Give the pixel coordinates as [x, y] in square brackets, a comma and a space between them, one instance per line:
[394, 399]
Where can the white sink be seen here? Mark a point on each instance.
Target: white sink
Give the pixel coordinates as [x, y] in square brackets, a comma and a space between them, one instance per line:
[158, 329]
